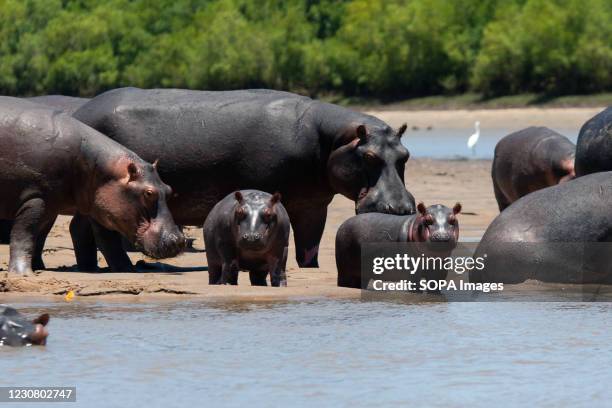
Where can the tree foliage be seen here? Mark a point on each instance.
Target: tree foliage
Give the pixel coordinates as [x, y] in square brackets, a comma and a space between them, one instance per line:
[383, 48]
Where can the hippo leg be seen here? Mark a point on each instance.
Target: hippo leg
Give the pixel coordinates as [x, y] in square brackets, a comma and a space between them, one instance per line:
[31, 218]
[308, 224]
[229, 273]
[258, 277]
[84, 243]
[110, 245]
[37, 261]
[214, 273]
[277, 269]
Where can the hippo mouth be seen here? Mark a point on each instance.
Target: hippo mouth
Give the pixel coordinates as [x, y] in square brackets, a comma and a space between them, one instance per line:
[157, 244]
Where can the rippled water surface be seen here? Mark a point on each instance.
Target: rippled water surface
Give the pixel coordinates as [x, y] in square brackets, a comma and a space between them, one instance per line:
[322, 353]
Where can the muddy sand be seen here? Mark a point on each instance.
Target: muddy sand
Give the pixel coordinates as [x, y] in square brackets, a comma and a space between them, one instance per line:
[431, 181]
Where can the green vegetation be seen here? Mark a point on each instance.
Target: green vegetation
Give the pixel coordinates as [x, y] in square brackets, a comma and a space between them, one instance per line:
[382, 49]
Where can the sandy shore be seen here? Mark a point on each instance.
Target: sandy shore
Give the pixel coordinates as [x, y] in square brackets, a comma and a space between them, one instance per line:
[431, 181]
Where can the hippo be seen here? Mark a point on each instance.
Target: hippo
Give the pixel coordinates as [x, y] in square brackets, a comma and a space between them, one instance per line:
[52, 164]
[557, 234]
[435, 224]
[528, 160]
[213, 143]
[594, 146]
[67, 104]
[247, 230]
[16, 330]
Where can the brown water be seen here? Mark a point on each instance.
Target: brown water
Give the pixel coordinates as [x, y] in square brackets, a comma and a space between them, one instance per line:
[322, 353]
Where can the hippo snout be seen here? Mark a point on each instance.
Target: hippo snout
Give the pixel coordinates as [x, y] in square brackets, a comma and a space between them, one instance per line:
[375, 200]
[39, 336]
[251, 240]
[168, 245]
[440, 236]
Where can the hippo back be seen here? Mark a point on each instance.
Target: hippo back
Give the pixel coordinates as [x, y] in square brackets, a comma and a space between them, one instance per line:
[594, 147]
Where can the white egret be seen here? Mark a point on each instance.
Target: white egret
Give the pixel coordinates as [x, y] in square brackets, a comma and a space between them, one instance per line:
[472, 140]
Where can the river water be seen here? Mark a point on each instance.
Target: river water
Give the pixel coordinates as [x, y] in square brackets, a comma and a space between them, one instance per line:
[322, 353]
[452, 143]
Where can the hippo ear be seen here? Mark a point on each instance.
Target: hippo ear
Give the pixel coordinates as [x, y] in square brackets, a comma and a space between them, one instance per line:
[133, 172]
[155, 164]
[276, 197]
[239, 197]
[421, 208]
[361, 133]
[401, 130]
[42, 319]
[457, 208]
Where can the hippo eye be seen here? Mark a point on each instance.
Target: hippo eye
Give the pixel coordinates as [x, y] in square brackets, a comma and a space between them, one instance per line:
[429, 220]
[371, 158]
[268, 216]
[452, 220]
[149, 194]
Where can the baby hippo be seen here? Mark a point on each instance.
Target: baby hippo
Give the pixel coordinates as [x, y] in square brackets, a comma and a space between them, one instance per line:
[15, 330]
[247, 230]
[436, 227]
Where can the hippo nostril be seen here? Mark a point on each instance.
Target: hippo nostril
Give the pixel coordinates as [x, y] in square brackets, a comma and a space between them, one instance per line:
[245, 237]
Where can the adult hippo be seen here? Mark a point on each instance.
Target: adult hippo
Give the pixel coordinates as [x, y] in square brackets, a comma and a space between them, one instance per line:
[210, 144]
[528, 160]
[558, 234]
[67, 104]
[594, 146]
[52, 164]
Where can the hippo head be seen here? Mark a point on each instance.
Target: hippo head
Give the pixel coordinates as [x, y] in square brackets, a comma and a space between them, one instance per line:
[133, 202]
[436, 225]
[255, 220]
[17, 331]
[367, 166]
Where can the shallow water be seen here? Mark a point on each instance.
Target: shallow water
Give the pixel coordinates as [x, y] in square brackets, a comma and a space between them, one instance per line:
[322, 353]
[452, 143]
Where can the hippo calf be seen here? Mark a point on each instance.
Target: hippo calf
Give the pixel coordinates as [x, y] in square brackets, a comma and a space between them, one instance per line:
[436, 224]
[16, 330]
[594, 146]
[559, 234]
[52, 164]
[529, 160]
[247, 230]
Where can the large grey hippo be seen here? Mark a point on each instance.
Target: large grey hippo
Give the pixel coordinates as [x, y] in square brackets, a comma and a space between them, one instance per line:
[528, 160]
[594, 146]
[561, 233]
[210, 144]
[52, 164]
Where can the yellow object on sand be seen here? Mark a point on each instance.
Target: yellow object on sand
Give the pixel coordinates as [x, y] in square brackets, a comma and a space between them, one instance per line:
[69, 296]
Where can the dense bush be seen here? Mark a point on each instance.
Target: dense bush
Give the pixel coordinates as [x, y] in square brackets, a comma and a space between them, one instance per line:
[383, 48]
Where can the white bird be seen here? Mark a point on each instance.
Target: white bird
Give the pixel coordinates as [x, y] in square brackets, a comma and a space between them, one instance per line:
[472, 140]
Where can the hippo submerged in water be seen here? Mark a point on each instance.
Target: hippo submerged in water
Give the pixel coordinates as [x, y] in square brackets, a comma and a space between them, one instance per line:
[594, 146]
[52, 164]
[561, 233]
[213, 143]
[528, 160]
[15, 330]
[436, 227]
[247, 230]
